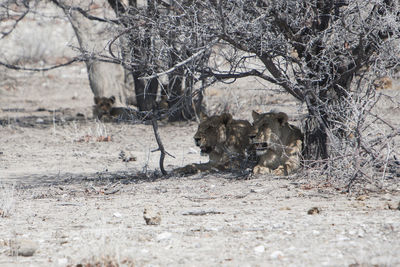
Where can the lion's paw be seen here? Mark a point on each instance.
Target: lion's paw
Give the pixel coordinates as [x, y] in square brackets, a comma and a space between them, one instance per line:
[280, 171]
[187, 170]
[261, 170]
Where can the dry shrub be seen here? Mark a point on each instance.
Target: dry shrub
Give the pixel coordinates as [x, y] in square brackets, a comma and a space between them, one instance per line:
[363, 144]
[104, 261]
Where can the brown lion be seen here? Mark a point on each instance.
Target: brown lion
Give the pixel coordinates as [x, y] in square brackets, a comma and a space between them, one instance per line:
[224, 140]
[104, 109]
[278, 144]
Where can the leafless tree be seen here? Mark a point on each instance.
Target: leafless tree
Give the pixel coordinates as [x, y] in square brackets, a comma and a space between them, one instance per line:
[325, 53]
[157, 36]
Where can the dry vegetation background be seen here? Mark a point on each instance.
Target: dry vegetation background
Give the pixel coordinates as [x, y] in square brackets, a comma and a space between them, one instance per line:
[71, 197]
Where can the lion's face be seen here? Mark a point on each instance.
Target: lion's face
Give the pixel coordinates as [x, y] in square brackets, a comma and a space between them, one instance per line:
[211, 132]
[103, 105]
[267, 130]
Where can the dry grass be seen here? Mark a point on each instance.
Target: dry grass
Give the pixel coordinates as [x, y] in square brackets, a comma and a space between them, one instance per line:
[7, 200]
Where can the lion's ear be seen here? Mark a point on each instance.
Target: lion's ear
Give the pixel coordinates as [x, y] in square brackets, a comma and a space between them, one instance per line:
[255, 115]
[96, 99]
[112, 98]
[282, 118]
[203, 116]
[226, 118]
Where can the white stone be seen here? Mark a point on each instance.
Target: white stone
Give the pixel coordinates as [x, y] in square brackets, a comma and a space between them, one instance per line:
[276, 255]
[62, 261]
[259, 249]
[163, 236]
[117, 214]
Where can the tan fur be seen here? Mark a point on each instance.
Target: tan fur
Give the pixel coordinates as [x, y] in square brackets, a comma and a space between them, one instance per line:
[383, 83]
[224, 140]
[278, 143]
[103, 109]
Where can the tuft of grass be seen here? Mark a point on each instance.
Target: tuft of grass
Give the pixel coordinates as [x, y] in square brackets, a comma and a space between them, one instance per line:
[105, 261]
[7, 200]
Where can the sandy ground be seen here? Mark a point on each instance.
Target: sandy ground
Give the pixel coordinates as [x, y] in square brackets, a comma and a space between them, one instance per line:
[68, 198]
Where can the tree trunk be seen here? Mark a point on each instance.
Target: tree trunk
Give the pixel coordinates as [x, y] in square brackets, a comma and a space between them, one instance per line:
[105, 79]
[146, 92]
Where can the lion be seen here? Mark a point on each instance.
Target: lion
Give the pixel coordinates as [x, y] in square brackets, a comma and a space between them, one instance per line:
[278, 144]
[103, 109]
[224, 140]
[383, 83]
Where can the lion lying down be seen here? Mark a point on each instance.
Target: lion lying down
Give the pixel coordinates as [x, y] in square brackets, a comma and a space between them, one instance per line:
[231, 144]
[224, 140]
[278, 144]
[104, 109]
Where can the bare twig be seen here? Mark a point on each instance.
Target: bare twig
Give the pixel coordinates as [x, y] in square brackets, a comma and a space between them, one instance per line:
[83, 12]
[202, 212]
[20, 18]
[159, 142]
[10, 66]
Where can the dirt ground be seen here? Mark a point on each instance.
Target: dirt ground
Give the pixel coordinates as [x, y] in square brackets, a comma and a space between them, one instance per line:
[69, 195]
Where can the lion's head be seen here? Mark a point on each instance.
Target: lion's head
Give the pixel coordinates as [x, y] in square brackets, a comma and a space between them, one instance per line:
[211, 132]
[278, 143]
[103, 106]
[267, 130]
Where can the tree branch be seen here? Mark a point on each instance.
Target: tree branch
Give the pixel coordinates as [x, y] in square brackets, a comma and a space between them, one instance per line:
[180, 64]
[224, 76]
[84, 13]
[4, 34]
[10, 66]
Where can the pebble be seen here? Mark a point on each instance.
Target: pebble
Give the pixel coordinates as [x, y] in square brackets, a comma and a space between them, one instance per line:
[259, 249]
[313, 211]
[117, 215]
[276, 255]
[151, 217]
[23, 247]
[164, 236]
[62, 261]
[316, 232]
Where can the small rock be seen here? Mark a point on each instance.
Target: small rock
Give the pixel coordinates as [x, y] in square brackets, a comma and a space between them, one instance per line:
[352, 232]
[313, 211]
[316, 232]
[151, 217]
[360, 233]
[362, 197]
[164, 236]
[392, 206]
[62, 261]
[117, 215]
[23, 247]
[259, 249]
[276, 255]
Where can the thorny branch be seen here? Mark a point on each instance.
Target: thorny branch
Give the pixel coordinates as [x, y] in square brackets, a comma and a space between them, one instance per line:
[161, 148]
[14, 67]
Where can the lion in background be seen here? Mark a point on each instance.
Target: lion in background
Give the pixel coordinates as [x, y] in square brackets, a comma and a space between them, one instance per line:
[278, 144]
[224, 140]
[104, 109]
